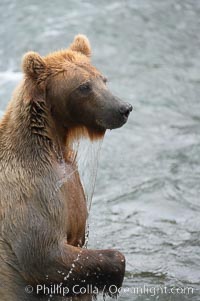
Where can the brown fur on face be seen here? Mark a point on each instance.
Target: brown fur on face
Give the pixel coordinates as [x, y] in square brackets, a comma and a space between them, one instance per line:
[69, 60]
[74, 90]
[43, 209]
[56, 76]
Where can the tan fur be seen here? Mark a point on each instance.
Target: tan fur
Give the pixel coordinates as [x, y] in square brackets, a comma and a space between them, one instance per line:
[42, 204]
[33, 64]
[81, 44]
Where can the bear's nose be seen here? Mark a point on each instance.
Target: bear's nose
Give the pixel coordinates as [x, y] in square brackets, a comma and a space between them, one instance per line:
[125, 109]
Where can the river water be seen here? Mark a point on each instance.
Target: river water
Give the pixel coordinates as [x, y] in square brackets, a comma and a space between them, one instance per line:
[147, 196]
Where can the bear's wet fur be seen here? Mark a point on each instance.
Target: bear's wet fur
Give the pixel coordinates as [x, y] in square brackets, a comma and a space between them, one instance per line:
[61, 98]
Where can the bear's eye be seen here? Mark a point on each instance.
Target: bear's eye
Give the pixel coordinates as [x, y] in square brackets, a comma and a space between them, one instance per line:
[84, 88]
[105, 80]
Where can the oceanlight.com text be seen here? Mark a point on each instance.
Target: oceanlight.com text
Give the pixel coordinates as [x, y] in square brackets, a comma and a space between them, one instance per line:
[60, 289]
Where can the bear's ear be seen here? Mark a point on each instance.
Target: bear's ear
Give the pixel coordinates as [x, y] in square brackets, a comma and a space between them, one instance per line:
[81, 44]
[33, 64]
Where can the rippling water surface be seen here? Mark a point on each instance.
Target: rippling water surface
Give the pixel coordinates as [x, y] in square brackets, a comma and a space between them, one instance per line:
[147, 197]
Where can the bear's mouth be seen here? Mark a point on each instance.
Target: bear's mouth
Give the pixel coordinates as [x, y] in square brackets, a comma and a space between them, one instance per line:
[103, 125]
[100, 124]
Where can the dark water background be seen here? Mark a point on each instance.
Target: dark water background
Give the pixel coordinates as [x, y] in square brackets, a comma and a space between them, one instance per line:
[147, 197]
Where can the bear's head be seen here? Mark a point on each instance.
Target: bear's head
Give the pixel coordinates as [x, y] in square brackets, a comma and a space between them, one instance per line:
[74, 89]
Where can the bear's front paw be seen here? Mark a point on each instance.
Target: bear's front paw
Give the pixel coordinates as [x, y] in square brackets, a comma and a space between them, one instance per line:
[111, 269]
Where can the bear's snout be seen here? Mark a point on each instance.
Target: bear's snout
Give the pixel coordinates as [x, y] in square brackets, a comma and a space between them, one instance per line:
[116, 115]
[125, 109]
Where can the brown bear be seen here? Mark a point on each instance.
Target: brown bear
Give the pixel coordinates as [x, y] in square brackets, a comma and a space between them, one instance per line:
[61, 98]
